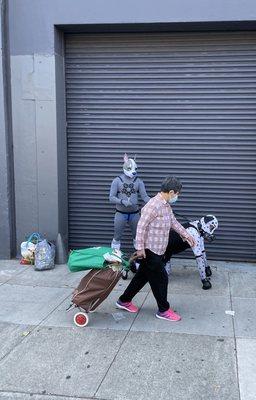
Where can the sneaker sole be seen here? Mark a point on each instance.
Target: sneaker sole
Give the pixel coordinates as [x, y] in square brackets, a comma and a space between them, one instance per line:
[125, 308]
[167, 319]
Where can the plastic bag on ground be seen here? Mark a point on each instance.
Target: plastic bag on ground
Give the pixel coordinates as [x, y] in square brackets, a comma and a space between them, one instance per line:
[44, 256]
[28, 248]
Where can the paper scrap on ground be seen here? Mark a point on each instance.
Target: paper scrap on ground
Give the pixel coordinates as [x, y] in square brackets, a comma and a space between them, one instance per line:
[26, 333]
[118, 316]
[230, 312]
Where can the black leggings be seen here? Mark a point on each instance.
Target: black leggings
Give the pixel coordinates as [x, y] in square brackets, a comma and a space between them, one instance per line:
[151, 270]
[175, 245]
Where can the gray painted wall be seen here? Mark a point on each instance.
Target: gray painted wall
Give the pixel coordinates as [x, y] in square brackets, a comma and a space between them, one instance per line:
[35, 139]
[7, 235]
[4, 206]
[31, 22]
[38, 95]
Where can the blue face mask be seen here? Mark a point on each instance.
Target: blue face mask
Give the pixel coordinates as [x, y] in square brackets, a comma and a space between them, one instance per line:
[173, 200]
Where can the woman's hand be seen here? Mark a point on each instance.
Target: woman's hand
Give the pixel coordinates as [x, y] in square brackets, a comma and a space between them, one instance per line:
[141, 253]
[191, 241]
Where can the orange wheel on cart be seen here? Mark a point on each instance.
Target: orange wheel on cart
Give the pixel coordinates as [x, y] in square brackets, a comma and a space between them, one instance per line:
[81, 319]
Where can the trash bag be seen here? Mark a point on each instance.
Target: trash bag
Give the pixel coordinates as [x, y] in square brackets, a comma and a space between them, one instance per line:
[28, 248]
[44, 256]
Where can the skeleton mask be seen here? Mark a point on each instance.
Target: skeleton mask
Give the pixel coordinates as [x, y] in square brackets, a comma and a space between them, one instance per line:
[129, 167]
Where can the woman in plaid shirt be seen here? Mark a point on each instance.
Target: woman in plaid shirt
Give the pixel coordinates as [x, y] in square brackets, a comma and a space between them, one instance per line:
[151, 241]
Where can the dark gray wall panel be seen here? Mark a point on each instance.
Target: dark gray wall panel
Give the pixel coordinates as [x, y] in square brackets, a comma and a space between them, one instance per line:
[185, 104]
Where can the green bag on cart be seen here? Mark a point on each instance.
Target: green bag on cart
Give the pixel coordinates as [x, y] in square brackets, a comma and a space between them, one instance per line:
[93, 258]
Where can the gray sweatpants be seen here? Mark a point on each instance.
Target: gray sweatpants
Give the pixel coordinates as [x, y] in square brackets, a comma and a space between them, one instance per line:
[120, 222]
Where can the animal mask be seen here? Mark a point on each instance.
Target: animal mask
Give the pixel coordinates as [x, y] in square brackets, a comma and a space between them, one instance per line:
[208, 224]
[129, 167]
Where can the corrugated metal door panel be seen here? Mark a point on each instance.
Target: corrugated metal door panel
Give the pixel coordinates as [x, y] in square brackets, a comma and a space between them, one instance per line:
[185, 104]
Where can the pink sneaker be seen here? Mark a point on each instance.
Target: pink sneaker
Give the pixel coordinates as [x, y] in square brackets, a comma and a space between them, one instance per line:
[127, 306]
[169, 315]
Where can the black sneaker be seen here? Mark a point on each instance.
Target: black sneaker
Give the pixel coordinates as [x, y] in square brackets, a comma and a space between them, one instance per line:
[208, 271]
[206, 284]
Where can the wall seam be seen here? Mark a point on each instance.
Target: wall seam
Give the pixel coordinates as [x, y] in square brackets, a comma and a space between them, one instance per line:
[8, 125]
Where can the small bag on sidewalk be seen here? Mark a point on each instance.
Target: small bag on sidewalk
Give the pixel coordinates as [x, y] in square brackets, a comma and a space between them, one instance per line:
[28, 248]
[44, 256]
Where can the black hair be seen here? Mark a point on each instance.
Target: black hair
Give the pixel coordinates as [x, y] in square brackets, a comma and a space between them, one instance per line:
[171, 183]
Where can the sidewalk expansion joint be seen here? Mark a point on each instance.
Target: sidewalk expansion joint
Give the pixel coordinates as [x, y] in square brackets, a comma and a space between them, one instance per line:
[53, 395]
[125, 336]
[235, 342]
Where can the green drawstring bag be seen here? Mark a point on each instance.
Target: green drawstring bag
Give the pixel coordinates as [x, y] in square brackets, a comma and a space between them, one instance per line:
[92, 258]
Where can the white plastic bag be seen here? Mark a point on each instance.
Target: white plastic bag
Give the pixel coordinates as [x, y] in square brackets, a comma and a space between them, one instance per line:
[28, 248]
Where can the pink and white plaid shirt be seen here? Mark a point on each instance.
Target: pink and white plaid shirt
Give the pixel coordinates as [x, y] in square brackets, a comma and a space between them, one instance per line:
[154, 225]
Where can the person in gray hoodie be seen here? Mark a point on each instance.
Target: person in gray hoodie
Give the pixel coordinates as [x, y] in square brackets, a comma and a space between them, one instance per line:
[124, 193]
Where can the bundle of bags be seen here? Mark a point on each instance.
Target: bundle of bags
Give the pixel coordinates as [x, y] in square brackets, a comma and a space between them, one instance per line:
[97, 258]
[38, 251]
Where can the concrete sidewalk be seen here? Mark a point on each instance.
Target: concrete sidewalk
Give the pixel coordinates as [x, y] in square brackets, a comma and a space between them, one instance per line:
[209, 355]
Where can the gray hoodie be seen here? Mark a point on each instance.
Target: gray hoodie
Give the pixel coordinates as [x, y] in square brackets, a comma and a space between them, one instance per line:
[124, 193]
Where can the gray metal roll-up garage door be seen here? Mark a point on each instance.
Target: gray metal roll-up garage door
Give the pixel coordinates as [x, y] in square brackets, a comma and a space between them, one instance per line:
[185, 104]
